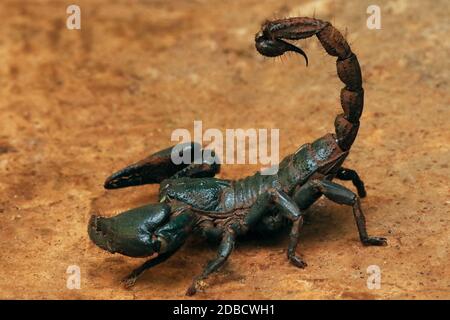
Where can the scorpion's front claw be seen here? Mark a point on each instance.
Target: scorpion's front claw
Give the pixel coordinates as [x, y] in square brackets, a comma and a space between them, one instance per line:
[154, 168]
[130, 233]
[374, 241]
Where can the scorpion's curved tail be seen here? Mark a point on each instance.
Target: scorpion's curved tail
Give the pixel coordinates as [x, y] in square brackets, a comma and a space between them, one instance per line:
[269, 43]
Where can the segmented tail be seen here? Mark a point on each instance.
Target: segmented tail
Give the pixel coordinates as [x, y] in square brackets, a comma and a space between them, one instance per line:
[269, 43]
[352, 95]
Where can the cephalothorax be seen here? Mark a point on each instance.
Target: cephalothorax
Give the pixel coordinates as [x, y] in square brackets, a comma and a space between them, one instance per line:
[193, 201]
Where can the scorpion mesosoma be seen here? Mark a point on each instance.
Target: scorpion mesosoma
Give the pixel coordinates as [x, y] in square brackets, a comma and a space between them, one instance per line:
[193, 201]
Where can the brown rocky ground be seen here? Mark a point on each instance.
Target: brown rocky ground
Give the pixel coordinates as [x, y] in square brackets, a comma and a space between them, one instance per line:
[77, 105]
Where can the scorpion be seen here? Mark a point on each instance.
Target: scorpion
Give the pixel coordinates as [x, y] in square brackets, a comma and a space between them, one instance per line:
[193, 200]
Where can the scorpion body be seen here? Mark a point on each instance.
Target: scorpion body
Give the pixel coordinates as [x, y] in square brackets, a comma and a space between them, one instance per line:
[193, 201]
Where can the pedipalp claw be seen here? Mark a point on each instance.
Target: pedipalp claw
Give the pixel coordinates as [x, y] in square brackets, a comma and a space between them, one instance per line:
[153, 169]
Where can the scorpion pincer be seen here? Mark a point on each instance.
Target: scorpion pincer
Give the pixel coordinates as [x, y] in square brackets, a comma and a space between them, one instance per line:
[192, 200]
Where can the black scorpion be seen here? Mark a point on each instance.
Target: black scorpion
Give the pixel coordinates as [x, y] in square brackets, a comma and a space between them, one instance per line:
[193, 201]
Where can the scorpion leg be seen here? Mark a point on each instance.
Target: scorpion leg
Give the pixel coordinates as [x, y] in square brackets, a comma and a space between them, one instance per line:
[293, 242]
[225, 249]
[273, 197]
[352, 175]
[280, 199]
[313, 189]
[289, 209]
[130, 279]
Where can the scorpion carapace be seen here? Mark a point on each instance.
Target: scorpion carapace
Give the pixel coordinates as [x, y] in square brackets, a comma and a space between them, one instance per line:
[193, 201]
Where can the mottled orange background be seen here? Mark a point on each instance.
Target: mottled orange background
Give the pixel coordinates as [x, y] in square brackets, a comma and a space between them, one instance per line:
[77, 105]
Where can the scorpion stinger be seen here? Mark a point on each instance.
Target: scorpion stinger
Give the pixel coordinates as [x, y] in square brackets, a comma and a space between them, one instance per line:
[275, 47]
[348, 69]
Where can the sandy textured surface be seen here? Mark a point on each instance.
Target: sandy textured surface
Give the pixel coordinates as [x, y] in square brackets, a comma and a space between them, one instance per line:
[78, 105]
